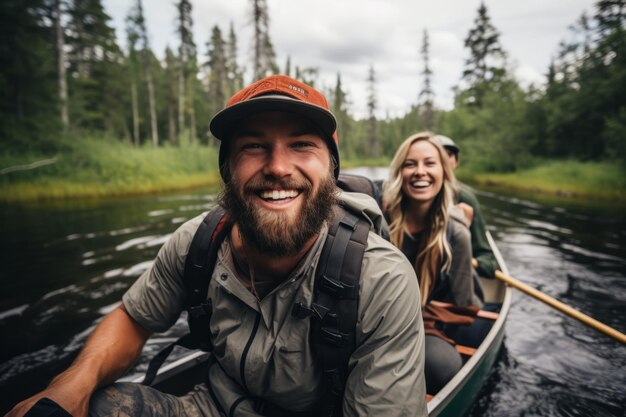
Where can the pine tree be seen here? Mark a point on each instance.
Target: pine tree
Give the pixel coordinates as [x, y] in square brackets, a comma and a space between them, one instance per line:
[29, 115]
[264, 56]
[171, 93]
[132, 37]
[340, 109]
[218, 71]
[97, 74]
[373, 148]
[287, 71]
[307, 75]
[62, 72]
[234, 73]
[139, 22]
[487, 57]
[426, 96]
[186, 57]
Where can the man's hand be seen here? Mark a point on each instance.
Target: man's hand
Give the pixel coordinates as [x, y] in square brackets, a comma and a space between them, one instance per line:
[67, 396]
[111, 349]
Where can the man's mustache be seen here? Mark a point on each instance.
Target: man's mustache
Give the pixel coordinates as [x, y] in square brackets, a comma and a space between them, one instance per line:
[263, 184]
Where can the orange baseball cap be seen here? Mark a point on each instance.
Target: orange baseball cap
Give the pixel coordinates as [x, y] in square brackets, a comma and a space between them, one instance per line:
[276, 93]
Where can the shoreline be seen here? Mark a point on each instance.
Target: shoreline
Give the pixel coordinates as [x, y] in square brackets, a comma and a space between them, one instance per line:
[57, 190]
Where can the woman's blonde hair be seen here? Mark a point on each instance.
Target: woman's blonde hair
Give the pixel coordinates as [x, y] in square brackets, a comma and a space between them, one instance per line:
[434, 246]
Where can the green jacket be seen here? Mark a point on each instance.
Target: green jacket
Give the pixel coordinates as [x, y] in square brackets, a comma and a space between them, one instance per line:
[262, 350]
[481, 251]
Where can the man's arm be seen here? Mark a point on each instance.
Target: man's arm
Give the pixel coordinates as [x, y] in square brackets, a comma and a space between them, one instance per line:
[111, 349]
[487, 263]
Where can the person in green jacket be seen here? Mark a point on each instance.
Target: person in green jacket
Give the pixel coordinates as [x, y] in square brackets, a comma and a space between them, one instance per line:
[481, 251]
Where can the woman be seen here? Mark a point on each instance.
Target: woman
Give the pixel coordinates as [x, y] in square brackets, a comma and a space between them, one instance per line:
[418, 201]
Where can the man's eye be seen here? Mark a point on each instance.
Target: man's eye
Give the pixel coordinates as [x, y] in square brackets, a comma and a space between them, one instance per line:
[250, 146]
[302, 145]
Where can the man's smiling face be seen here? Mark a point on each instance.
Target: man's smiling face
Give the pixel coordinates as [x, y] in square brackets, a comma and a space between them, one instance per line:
[281, 187]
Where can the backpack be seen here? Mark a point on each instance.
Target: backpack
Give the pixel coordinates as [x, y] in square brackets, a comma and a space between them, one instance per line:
[335, 300]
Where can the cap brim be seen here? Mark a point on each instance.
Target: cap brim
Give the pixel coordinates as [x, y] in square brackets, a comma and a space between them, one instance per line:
[225, 122]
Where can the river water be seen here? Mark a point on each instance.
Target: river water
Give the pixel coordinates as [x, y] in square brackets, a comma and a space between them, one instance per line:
[65, 265]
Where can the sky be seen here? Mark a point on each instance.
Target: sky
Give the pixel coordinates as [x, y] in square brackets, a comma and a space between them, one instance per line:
[347, 36]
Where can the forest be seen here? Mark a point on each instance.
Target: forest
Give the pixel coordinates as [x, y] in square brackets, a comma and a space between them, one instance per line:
[76, 106]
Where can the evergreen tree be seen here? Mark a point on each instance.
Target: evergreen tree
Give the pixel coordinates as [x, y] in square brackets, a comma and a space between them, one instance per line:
[218, 71]
[61, 69]
[137, 19]
[29, 116]
[234, 73]
[487, 59]
[307, 75]
[372, 135]
[132, 37]
[264, 56]
[287, 71]
[170, 88]
[426, 96]
[187, 68]
[340, 110]
[97, 74]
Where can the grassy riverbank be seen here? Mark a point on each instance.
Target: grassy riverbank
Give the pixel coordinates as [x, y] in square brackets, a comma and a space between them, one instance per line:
[101, 166]
[580, 180]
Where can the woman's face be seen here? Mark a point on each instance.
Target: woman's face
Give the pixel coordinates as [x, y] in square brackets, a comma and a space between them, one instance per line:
[422, 172]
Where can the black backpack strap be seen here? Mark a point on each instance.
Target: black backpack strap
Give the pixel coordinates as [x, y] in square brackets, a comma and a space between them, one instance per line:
[360, 184]
[199, 265]
[335, 302]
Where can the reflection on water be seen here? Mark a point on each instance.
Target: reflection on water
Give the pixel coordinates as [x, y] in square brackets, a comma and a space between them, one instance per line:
[64, 266]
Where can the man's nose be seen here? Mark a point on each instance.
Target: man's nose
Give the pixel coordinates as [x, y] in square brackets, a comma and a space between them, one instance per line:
[278, 163]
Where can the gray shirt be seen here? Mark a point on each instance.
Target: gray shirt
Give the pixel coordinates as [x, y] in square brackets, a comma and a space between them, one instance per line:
[261, 350]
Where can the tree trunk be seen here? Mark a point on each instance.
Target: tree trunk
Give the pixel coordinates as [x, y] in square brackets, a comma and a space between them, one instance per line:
[133, 93]
[192, 114]
[171, 123]
[181, 98]
[153, 115]
[65, 119]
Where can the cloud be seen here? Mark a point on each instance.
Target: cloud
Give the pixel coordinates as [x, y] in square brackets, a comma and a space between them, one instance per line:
[347, 36]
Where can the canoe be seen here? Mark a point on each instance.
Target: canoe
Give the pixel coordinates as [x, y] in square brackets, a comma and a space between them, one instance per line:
[454, 399]
[457, 396]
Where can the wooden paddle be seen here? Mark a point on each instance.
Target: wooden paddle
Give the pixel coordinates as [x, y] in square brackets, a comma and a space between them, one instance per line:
[564, 308]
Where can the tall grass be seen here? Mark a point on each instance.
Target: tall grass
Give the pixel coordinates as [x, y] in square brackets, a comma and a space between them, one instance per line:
[602, 180]
[96, 166]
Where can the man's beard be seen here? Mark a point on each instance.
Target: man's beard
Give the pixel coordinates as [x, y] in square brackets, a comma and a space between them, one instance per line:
[277, 233]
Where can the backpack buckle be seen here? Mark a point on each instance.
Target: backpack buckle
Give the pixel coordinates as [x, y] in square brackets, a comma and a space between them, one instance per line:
[338, 289]
[334, 337]
[300, 311]
[333, 287]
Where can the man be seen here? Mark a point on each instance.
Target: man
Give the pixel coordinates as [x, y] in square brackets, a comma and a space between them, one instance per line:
[481, 250]
[279, 162]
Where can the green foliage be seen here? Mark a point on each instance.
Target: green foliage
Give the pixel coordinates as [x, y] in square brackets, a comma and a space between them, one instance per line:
[614, 136]
[29, 112]
[597, 180]
[491, 137]
[486, 63]
[101, 165]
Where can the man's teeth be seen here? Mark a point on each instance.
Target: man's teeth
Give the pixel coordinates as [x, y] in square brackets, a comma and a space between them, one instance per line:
[278, 194]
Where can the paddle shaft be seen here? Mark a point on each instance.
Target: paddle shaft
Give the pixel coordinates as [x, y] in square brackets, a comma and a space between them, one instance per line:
[564, 308]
